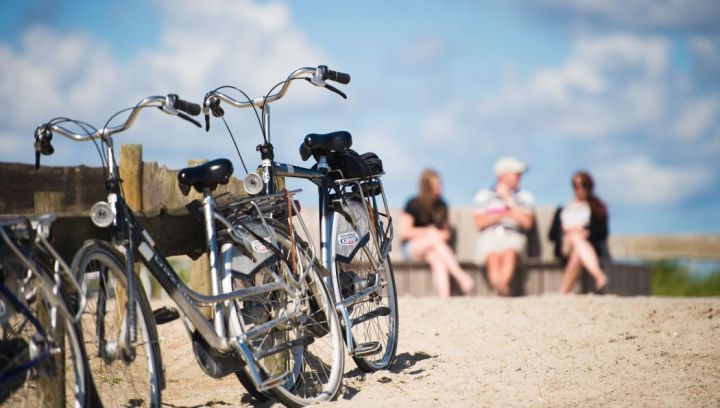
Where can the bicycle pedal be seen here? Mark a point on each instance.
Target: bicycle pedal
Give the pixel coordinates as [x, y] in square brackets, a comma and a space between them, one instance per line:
[273, 382]
[379, 312]
[165, 315]
[367, 349]
[299, 342]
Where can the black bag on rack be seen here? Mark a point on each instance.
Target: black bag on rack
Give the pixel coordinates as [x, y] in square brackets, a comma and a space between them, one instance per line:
[350, 163]
[373, 162]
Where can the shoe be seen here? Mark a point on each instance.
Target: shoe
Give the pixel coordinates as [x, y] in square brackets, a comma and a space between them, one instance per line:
[601, 290]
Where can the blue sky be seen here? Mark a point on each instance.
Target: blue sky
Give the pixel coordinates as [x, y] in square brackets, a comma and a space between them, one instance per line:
[626, 89]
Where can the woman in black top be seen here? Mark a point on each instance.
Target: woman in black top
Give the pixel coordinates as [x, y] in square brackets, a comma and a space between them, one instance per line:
[580, 231]
[425, 233]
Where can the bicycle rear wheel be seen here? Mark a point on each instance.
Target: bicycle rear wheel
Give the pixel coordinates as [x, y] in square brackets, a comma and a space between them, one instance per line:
[41, 364]
[315, 360]
[118, 379]
[360, 266]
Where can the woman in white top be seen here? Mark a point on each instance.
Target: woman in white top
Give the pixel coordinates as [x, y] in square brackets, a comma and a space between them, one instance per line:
[580, 229]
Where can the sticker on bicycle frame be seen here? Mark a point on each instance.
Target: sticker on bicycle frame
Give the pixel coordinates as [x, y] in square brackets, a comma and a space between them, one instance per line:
[259, 247]
[348, 238]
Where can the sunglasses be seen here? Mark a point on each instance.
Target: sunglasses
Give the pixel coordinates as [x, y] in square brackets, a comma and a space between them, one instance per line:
[578, 186]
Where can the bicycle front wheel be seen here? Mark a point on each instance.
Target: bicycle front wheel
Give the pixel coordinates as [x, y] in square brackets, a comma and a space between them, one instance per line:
[120, 379]
[359, 267]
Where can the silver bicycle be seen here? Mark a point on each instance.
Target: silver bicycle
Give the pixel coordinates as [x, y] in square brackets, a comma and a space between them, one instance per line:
[355, 223]
[270, 306]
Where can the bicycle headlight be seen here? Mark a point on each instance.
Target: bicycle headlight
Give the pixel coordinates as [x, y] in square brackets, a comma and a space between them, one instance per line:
[253, 183]
[101, 214]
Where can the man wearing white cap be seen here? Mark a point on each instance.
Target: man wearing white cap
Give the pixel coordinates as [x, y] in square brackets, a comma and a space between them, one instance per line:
[504, 214]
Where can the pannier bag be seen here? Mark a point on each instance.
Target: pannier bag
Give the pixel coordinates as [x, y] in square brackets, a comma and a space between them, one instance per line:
[354, 165]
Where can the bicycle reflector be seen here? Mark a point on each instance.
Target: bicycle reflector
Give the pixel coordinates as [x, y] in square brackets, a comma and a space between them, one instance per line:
[101, 214]
[253, 183]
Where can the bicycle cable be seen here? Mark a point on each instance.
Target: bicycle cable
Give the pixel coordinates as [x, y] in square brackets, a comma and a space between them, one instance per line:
[232, 137]
[267, 95]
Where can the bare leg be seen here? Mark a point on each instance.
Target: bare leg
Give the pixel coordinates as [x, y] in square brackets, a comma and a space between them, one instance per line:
[421, 245]
[508, 260]
[589, 259]
[448, 257]
[440, 275]
[571, 274]
[493, 271]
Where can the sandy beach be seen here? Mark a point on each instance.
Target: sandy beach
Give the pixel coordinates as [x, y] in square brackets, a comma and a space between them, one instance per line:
[533, 351]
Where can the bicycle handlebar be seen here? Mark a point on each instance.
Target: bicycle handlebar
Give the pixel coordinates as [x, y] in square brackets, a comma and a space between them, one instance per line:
[319, 75]
[169, 104]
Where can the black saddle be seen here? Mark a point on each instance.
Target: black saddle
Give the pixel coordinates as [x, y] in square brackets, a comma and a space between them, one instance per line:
[322, 145]
[207, 175]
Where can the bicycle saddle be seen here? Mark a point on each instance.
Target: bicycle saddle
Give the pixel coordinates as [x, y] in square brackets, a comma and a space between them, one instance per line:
[207, 175]
[321, 145]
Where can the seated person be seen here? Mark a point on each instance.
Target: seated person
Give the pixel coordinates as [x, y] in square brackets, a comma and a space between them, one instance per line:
[580, 231]
[425, 233]
[504, 215]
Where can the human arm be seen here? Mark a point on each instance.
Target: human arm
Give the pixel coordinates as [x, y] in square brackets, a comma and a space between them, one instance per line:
[409, 231]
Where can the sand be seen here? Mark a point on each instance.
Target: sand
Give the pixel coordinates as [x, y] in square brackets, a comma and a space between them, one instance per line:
[535, 351]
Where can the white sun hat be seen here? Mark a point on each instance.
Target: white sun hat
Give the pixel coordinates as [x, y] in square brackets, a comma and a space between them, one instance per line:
[509, 164]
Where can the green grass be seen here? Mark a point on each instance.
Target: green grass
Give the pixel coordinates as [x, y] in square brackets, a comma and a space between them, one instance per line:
[672, 279]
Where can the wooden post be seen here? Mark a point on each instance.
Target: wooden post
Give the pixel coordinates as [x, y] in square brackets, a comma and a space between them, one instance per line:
[54, 385]
[200, 268]
[49, 201]
[131, 174]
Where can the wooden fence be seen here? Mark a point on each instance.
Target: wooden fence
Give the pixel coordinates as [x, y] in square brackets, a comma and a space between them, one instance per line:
[152, 190]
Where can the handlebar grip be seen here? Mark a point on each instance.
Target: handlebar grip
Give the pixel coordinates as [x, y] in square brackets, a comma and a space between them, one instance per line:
[190, 108]
[336, 76]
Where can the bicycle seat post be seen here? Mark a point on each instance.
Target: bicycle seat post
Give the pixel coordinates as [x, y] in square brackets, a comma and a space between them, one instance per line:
[212, 251]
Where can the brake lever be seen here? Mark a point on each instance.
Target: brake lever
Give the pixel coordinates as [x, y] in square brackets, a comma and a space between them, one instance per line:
[337, 91]
[189, 119]
[329, 88]
[42, 144]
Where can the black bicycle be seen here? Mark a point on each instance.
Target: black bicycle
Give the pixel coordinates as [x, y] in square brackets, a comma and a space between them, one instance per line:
[270, 307]
[42, 359]
[355, 224]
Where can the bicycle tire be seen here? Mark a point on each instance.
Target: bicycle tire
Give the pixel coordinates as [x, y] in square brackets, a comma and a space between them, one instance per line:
[305, 384]
[117, 380]
[41, 385]
[351, 274]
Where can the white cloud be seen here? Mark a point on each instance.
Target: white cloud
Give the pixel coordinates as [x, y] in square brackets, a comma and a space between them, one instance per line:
[698, 118]
[250, 45]
[639, 181]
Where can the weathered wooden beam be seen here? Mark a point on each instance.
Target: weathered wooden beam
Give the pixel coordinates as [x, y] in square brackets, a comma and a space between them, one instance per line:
[49, 202]
[131, 169]
[200, 268]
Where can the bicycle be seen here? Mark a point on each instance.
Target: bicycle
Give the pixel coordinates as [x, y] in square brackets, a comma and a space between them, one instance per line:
[355, 232]
[268, 298]
[42, 359]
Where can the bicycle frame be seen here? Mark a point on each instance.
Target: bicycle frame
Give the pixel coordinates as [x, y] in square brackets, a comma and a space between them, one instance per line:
[215, 333]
